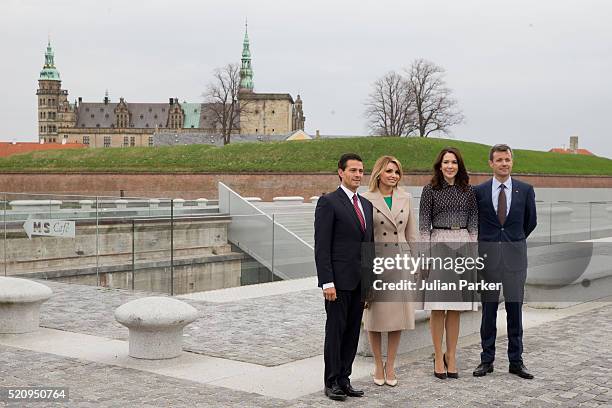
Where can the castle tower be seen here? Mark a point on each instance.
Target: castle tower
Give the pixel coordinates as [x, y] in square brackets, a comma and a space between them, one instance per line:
[298, 115]
[54, 111]
[246, 71]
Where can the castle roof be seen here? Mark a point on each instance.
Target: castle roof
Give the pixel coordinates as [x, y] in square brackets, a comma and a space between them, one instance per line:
[143, 115]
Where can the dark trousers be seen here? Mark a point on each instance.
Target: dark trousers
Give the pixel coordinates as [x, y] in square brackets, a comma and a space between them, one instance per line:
[342, 335]
[513, 285]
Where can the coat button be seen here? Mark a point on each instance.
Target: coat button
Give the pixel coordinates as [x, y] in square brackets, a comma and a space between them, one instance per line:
[396, 244]
[384, 233]
[386, 245]
[401, 222]
[502, 228]
[394, 232]
[401, 211]
[382, 222]
[378, 211]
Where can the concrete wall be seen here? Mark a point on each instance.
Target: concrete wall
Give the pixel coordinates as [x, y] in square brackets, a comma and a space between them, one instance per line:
[203, 259]
[266, 186]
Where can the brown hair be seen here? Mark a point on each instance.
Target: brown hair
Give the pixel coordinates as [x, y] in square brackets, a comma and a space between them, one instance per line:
[461, 179]
[499, 148]
[379, 167]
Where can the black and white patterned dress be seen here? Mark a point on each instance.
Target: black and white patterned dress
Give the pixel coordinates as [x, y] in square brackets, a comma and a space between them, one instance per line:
[448, 217]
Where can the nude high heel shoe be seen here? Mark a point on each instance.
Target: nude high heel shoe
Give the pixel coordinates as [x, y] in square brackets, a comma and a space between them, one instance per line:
[391, 383]
[379, 381]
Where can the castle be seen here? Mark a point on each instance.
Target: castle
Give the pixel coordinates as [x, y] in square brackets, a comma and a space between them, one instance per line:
[124, 124]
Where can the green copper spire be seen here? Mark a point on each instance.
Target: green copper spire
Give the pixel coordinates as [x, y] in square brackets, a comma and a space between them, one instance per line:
[246, 72]
[49, 73]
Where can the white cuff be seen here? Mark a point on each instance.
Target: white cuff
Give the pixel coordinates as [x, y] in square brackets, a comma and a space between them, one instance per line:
[328, 285]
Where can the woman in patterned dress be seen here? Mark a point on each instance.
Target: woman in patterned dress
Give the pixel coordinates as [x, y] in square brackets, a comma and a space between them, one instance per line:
[448, 215]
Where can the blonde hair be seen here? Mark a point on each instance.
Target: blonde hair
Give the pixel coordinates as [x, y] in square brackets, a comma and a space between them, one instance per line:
[379, 167]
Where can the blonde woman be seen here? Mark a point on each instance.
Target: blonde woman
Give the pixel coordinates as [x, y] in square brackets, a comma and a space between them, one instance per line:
[395, 223]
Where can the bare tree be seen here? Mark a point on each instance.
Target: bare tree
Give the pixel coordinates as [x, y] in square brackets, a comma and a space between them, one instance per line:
[389, 107]
[223, 103]
[435, 108]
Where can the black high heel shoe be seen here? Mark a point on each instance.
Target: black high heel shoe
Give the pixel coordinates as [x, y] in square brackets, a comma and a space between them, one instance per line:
[441, 376]
[448, 373]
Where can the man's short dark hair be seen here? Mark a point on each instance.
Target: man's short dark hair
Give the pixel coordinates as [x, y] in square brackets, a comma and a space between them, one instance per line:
[345, 158]
[499, 148]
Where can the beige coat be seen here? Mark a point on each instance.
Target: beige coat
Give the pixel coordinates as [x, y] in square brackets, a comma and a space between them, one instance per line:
[398, 227]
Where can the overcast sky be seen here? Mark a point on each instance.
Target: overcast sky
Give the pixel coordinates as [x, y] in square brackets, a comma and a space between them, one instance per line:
[528, 73]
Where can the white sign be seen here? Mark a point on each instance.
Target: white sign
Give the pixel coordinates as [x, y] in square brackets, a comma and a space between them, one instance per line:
[49, 228]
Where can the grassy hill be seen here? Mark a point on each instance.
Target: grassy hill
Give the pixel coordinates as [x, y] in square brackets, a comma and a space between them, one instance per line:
[416, 154]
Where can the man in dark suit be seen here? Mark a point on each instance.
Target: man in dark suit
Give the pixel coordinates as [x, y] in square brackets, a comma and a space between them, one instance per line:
[343, 222]
[507, 215]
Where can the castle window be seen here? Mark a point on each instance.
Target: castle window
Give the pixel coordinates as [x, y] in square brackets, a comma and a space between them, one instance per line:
[147, 125]
[112, 125]
[160, 125]
[133, 141]
[155, 116]
[150, 110]
[125, 141]
[163, 109]
[141, 116]
[82, 125]
[97, 125]
[41, 129]
[272, 130]
[273, 111]
[107, 141]
[150, 140]
[86, 109]
[256, 130]
[192, 126]
[195, 111]
[86, 140]
[92, 116]
[106, 116]
[101, 110]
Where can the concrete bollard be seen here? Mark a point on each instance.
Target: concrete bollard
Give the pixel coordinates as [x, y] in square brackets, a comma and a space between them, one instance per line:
[153, 203]
[121, 204]
[20, 301]
[156, 326]
[33, 206]
[294, 200]
[86, 204]
[202, 202]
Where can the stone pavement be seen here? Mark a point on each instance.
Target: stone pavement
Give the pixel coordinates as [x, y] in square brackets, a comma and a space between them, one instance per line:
[571, 358]
[269, 330]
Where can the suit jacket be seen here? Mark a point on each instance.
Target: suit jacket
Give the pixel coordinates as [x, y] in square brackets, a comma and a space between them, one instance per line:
[339, 239]
[506, 242]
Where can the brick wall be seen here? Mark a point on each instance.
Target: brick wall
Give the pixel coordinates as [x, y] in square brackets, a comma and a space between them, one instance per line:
[265, 186]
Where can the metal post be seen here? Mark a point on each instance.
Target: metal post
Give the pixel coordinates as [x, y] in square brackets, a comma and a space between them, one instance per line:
[172, 247]
[590, 219]
[133, 252]
[5, 246]
[97, 245]
[272, 270]
[550, 224]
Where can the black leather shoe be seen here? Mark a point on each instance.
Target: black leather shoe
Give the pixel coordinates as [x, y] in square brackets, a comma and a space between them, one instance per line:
[521, 371]
[483, 369]
[441, 376]
[350, 391]
[448, 373]
[335, 393]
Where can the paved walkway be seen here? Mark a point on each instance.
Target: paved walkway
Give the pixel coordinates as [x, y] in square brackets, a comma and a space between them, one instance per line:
[571, 358]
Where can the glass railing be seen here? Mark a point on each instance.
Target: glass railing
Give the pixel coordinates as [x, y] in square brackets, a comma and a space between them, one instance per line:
[177, 246]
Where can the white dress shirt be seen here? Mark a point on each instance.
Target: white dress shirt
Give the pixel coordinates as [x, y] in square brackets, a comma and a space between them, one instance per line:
[495, 193]
[350, 195]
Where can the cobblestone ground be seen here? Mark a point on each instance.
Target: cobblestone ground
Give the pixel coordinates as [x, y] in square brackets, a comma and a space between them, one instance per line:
[269, 331]
[571, 358]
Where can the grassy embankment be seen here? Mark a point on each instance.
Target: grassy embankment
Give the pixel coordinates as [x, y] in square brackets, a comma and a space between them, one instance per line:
[416, 154]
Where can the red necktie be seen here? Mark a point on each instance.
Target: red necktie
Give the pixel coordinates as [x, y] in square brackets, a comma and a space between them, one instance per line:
[358, 211]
